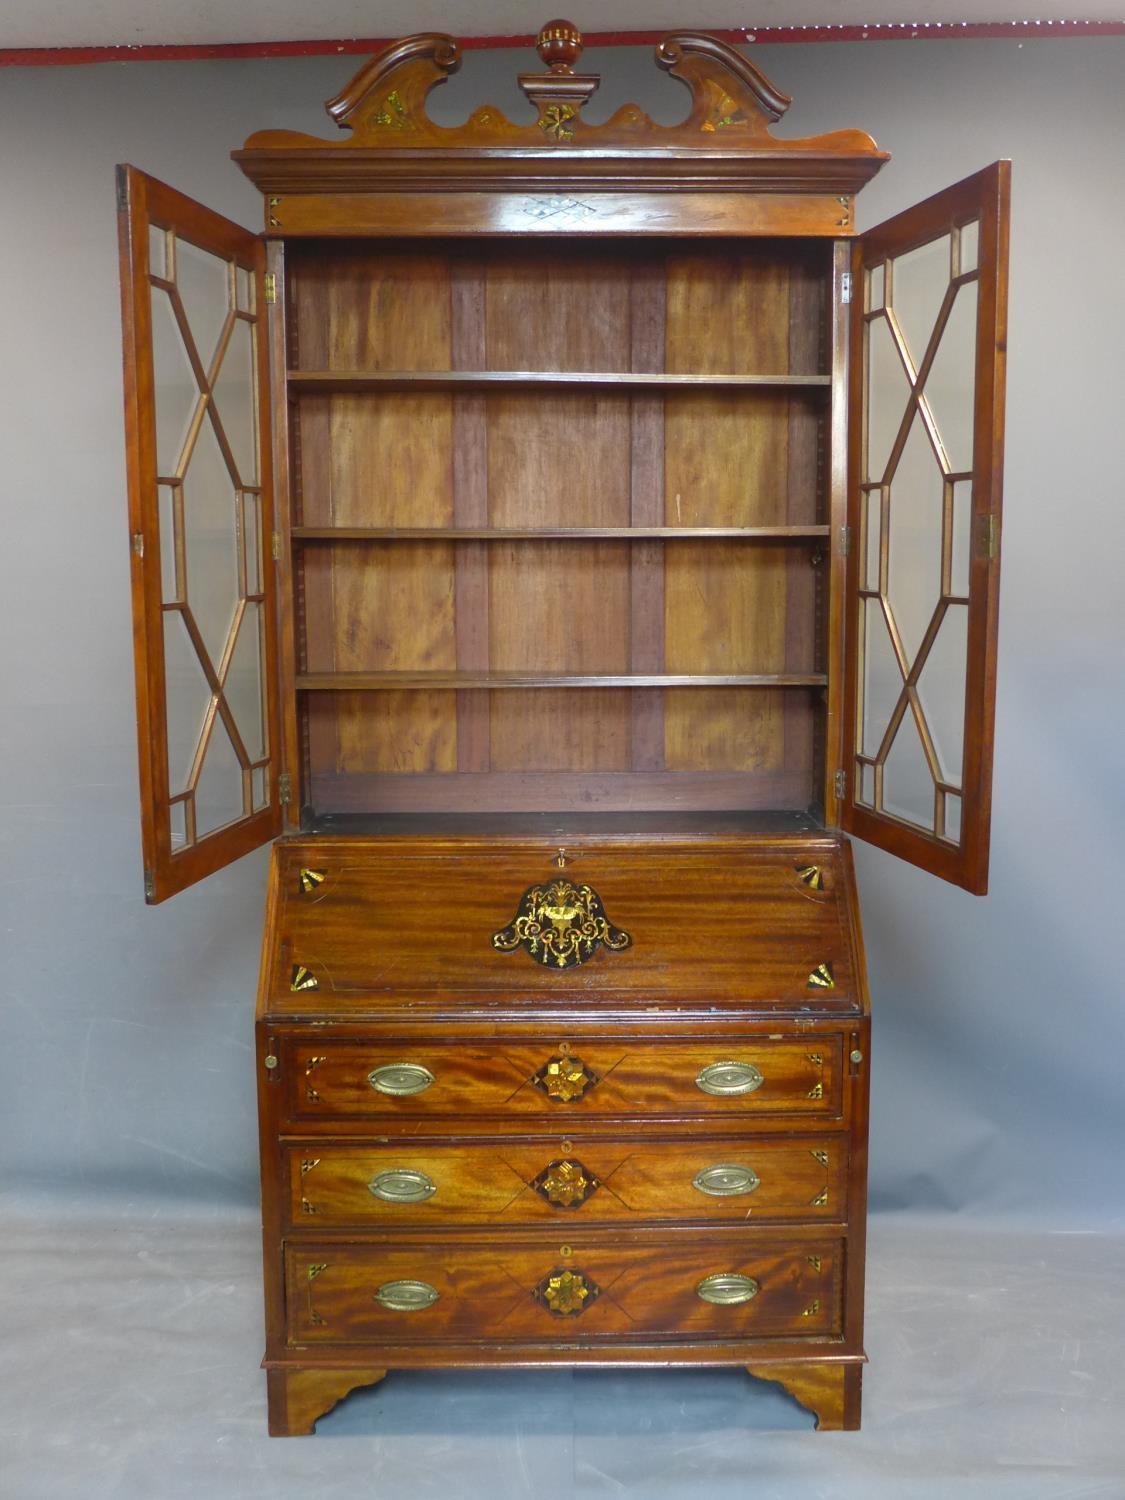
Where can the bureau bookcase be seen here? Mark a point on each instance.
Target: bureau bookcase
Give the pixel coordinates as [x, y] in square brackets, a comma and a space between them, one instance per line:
[555, 534]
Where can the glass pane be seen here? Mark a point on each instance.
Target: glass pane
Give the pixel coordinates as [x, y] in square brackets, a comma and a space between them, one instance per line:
[235, 402]
[187, 699]
[875, 278]
[952, 818]
[914, 543]
[252, 542]
[882, 680]
[961, 538]
[177, 817]
[908, 788]
[867, 785]
[175, 391]
[218, 793]
[165, 504]
[244, 289]
[873, 505]
[951, 384]
[970, 247]
[203, 281]
[887, 394]
[243, 687]
[918, 286]
[941, 690]
[211, 542]
[157, 240]
[259, 782]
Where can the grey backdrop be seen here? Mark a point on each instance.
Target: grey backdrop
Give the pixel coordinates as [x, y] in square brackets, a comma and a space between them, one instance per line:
[999, 1024]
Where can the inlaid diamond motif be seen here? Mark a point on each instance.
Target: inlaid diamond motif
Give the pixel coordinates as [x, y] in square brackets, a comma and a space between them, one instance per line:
[567, 1294]
[565, 1183]
[564, 1079]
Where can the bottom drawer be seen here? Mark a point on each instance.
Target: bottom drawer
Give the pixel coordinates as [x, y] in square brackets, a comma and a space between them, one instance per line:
[722, 1288]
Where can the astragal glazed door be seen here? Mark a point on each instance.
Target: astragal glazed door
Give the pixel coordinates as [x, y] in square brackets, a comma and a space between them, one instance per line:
[200, 518]
[929, 327]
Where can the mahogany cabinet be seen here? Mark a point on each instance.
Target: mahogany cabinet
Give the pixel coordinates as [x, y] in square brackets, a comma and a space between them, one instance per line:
[554, 535]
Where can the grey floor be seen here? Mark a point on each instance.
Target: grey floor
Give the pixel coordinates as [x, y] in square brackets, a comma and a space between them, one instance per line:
[130, 1343]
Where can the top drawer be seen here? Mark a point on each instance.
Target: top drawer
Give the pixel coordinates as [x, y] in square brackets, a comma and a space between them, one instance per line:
[557, 1083]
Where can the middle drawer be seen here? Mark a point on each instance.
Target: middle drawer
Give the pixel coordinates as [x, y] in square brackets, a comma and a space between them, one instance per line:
[412, 1183]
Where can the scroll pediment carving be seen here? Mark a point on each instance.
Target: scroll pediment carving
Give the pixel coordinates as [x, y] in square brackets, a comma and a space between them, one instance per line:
[732, 105]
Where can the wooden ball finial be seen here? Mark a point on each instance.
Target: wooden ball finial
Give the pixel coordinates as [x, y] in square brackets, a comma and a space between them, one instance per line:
[559, 44]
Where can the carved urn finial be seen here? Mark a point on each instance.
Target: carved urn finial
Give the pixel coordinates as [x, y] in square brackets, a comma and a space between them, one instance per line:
[559, 44]
[559, 93]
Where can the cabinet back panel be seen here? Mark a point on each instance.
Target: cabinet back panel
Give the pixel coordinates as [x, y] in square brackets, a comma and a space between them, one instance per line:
[435, 459]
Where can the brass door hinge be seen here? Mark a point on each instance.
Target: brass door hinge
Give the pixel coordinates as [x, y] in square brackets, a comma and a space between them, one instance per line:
[150, 886]
[284, 788]
[139, 543]
[845, 540]
[275, 546]
[846, 287]
[122, 188]
[840, 781]
[986, 536]
[271, 287]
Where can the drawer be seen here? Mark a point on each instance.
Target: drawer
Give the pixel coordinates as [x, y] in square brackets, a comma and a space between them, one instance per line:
[716, 1287]
[721, 1180]
[558, 1080]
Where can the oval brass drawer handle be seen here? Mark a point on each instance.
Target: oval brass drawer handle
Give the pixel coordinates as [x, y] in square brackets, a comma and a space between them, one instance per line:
[403, 1185]
[725, 1180]
[727, 1289]
[729, 1078]
[400, 1078]
[406, 1296]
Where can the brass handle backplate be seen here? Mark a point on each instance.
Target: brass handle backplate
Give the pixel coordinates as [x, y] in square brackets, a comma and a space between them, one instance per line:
[399, 1079]
[727, 1289]
[725, 1180]
[402, 1185]
[726, 1078]
[406, 1296]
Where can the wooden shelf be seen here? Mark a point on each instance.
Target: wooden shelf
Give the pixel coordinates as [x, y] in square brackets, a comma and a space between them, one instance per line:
[557, 533]
[331, 382]
[369, 682]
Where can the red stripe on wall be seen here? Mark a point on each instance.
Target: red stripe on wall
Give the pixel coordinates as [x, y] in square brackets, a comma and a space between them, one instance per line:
[40, 57]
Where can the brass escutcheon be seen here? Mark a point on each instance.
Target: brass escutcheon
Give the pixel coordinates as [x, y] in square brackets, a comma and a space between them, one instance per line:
[402, 1185]
[725, 1180]
[727, 1289]
[399, 1079]
[729, 1078]
[406, 1296]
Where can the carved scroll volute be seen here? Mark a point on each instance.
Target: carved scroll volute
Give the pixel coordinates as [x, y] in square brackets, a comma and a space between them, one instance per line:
[728, 93]
[385, 103]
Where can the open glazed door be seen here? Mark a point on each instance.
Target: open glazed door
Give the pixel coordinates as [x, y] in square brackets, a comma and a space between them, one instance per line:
[200, 510]
[929, 326]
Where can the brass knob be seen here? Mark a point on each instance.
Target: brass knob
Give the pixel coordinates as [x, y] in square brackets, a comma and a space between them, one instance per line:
[270, 1061]
[856, 1055]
